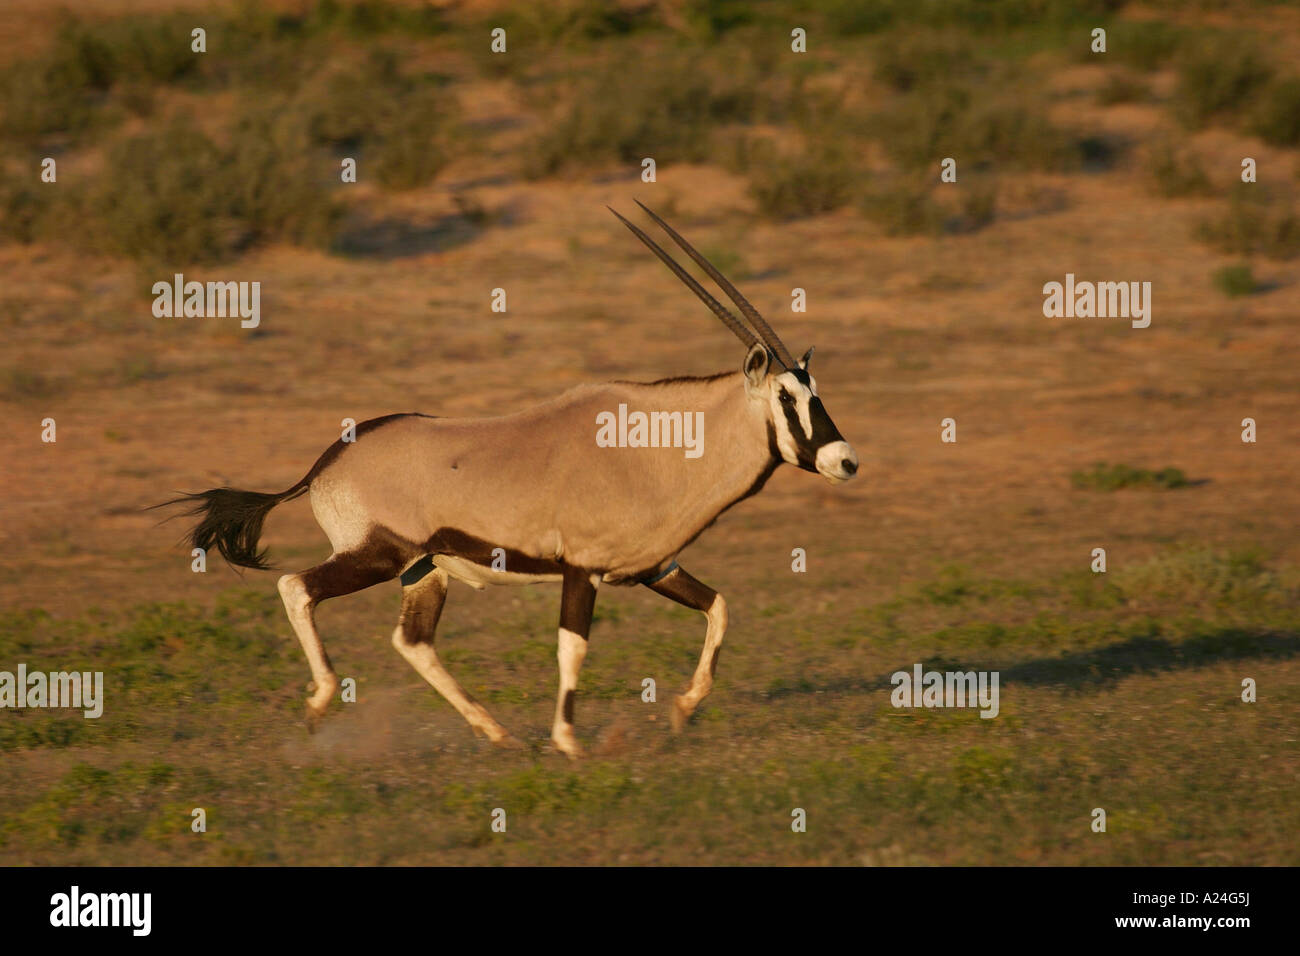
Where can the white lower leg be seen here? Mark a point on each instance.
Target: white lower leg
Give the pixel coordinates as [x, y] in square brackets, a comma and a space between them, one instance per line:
[424, 659]
[572, 649]
[298, 605]
[702, 682]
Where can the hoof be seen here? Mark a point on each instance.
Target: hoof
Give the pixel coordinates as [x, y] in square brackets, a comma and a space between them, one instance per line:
[570, 747]
[313, 716]
[509, 743]
[680, 714]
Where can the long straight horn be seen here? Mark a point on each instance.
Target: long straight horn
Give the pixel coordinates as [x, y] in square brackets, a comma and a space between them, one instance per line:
[721, 311]
[764, 330]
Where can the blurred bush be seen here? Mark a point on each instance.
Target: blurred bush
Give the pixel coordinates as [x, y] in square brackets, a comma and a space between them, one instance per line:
[1254, 222]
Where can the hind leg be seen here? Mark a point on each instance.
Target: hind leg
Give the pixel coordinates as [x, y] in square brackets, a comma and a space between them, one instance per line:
[422, 602]
[301, 592]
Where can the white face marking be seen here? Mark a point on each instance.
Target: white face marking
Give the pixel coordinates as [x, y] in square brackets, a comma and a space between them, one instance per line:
[831, 458]
[802, 395]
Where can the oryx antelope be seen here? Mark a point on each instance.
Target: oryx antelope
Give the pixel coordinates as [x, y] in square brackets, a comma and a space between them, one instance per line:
[428, 499]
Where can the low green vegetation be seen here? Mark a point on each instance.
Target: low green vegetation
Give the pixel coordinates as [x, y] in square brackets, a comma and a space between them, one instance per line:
[1235, 280]
[1122, 686]
[1104, 477]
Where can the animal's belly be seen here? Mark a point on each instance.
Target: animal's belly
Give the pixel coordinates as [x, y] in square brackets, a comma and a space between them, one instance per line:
[478, 576]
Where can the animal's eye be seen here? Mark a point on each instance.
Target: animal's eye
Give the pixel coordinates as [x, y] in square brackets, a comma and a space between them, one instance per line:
[786, 398]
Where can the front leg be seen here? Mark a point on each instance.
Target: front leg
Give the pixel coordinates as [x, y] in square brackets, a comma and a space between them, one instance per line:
[575, 623]
[685, 590]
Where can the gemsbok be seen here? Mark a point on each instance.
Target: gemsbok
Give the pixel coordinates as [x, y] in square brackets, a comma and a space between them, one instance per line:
[534, 496]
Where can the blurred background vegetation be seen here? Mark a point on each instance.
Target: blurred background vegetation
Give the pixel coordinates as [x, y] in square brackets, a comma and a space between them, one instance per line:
[191, 158]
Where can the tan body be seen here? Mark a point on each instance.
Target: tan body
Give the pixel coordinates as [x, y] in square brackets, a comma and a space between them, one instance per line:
[536, 485]
[535, 497]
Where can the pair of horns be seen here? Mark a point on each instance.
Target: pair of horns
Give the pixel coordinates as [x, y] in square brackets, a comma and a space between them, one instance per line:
[761, 331]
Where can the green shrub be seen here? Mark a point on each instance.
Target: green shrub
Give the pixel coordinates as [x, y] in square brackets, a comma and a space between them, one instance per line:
[846, 16]
[21, 207]
[903, 209]
[402, 124]
[710, 19]
[362, 18]
[1173, 173]
[412, 149]
[1276, 119]
[174, 196]
[66, 89]
[1121, 88]
[1104, 477]
[1235, 280]
[278, 188]
[1144, 44]
[913, 61]
[1254, 223]
[819, 178]
[853, 17]
[911, 207]
[1219, 77]
[564, 22]
[977, 127]
[668, 108]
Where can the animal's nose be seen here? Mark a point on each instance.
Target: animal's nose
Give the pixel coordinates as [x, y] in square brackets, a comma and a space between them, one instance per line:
[850, 466]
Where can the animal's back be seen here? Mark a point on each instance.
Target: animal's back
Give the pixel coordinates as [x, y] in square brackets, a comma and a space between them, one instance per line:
[523, 482]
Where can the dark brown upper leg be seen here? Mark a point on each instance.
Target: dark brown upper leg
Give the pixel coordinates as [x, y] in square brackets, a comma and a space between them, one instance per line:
[576, 606]
[380, 558]
[685, 590]
[422, 607]
[578, 601]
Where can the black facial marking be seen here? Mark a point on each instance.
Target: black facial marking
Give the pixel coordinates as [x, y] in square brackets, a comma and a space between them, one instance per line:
[823, 429]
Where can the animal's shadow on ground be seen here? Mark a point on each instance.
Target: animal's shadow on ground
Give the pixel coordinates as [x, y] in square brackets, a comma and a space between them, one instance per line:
[1093, 668]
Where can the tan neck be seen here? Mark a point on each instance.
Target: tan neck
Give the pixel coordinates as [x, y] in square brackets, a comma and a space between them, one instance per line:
[737, 454]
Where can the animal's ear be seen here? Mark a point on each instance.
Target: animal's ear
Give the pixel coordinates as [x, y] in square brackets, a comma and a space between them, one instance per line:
[756, 363]
[803, 362]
